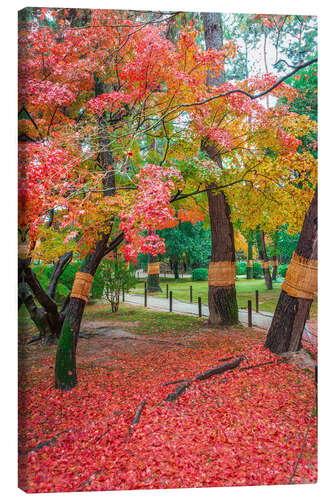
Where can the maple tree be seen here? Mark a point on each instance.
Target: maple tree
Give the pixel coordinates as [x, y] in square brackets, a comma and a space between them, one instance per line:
[130, 130]
[232, 130]
[92, 89]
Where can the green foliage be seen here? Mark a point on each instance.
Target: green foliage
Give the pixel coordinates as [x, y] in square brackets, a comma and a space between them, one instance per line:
[240, 268]
[188, 242]
[116, 277]
[286, 244]
[257, 270]
[44, 274]
[66, 280]
[200, 274]
[282, 270]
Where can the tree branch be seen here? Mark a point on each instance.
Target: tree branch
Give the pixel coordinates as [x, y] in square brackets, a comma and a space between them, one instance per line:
[114, 243]
[234, 91]
[47, 302]
[58, 269]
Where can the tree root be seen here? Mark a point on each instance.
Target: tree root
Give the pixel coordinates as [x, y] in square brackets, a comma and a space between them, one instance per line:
[177, 381]
[136, 419]
[87, 481]
[104, 433]
[47, 442]
[180, 389]
[263, 364]
[219, 369]
[226, 359]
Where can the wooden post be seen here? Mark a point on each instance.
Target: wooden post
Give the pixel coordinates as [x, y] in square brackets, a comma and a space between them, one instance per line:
[146, 294]
[249, 312]
[257, 301]
[167, 291]
[199, 307]
[170, 301]
[191, 294]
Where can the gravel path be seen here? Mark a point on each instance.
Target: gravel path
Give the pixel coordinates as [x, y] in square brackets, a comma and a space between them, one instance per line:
[260, 320]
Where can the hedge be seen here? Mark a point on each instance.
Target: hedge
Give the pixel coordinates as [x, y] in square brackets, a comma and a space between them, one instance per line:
[282, 270]
[200, 274]
[240, 268]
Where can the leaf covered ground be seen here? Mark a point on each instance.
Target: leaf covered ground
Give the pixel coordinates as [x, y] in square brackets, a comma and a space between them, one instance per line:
[242, 427]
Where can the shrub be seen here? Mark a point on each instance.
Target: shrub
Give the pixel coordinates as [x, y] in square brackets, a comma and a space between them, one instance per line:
[200, 274]
[282, 270]
[240, 268]
[257, 270]
[116, 277]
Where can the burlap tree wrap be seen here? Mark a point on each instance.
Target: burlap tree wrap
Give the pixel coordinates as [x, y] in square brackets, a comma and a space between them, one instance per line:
[82, 286]
[301, 278]
[249, 263]
[23, 251]
[154, 268]
[221, 273]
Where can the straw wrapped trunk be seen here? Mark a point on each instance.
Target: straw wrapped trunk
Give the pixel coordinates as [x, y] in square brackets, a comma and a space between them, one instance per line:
[153, 277]
[298, 290]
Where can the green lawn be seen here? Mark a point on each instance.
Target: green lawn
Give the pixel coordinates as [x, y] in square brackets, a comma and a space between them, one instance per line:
[245, 291]
[143, 321]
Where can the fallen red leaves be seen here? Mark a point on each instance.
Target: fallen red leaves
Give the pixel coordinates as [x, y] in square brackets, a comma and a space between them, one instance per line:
[239, 428]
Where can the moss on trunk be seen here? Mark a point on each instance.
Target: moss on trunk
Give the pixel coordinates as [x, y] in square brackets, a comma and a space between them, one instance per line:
[65, 367]
[223, 308]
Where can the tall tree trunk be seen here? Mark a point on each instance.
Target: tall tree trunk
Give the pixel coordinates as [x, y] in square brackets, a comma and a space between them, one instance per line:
[176, 268]
[65, 367]
[275, 267]
[214, 40]
[267, 274]
[222, 302]
[153, 279]
[285, 333]
[249, 267]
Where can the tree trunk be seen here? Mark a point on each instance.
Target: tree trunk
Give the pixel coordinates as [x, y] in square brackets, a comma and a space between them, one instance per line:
[65, 367]
[249, 269]
[214, 40]
[37, 314]
[222, 302]
[176, 268]
[47, 318]
[285, 333]
[267, 274]
[275, 267]
[153, 280]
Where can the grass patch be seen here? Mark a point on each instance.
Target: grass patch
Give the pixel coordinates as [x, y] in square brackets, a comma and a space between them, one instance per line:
[245, 291]
[147, 322]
